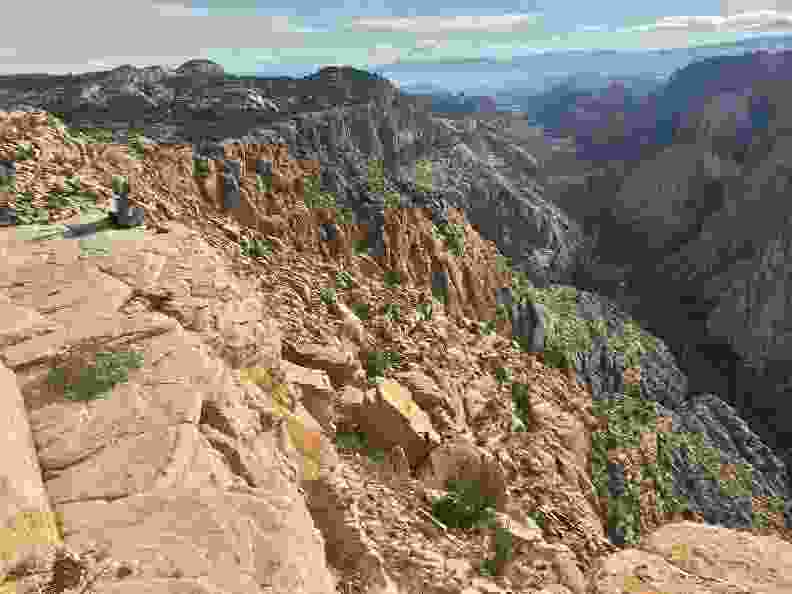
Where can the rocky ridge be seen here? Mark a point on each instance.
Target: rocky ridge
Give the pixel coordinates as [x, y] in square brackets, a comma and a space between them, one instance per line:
[341, 117]
[266, 436]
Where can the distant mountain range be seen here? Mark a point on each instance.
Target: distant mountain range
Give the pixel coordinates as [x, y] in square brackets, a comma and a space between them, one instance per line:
[537, 73]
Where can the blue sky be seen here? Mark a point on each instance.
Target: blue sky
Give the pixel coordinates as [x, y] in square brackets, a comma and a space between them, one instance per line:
[295, 36]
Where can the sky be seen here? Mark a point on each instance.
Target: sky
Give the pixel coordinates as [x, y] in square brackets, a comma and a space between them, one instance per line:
[294, 37]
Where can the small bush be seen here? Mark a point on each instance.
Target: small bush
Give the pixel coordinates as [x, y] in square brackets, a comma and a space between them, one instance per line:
[464, 506]
[502, 375]
[262, 184]
[200, 167]
[357, 441]
[361, 310]
[7, 183]
[503, 263]
[424, 311]
[453, 236]
[392, 200]
[345, 215]
[24, 151]
[343, 279]
[376, 176]
[135, 144]
[392, 312]
[328, 295]
[360, 247]
[94, 381]
[501, 312]
[487, 328]
[120, 184]
[72, 196]
[27, 213]
[423, 175]
[391, 278]
[95, 135]
[504, 550]
[255, 248]
[440, 294]
[378, 362]
[522, 401]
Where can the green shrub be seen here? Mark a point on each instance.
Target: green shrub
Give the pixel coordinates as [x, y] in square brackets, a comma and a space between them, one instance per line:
[135, 144]
[7, 183]
[453, 235]
[522, 401]
[357, 441]
[314, 197]
[440, 294]
[487, 328]
[502, 375]
[361, 310]
[345, 215]
[360, 247]
[376, 176]
[255, 248]
[501, 312]
[24, 151]
[504, 550]
[343, 279]
[94, 381]
[72, 196]
[502, 263]
[464, 506]
[423, 175]
[120, 184]
[391, 278]
[263, 185]
[94, 135]
[327, 295]
[424, 311]
[27, 214]
[392, 200]
[200, 167]
[378, 362]
[392, 312]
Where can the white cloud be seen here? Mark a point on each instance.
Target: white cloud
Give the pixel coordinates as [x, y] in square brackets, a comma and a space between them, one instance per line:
[384, 54]
[757, 20]
[424, 44]
[440, 24]
[737, 6]
[127, 32]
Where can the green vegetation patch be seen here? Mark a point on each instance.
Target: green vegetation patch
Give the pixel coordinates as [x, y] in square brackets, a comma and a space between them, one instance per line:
[135, 143]
[314, 197]
[378, 362]
[200, 167]
[453, 235]
[464, 506]
[376, 176]
[423, 175]
[343, 279]
[361, 310]
[97, 379]
[627, 419]
[255, 248]
[392, 279]
[72, 196]
[356, 440]
[567, 334]
[328, 295]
